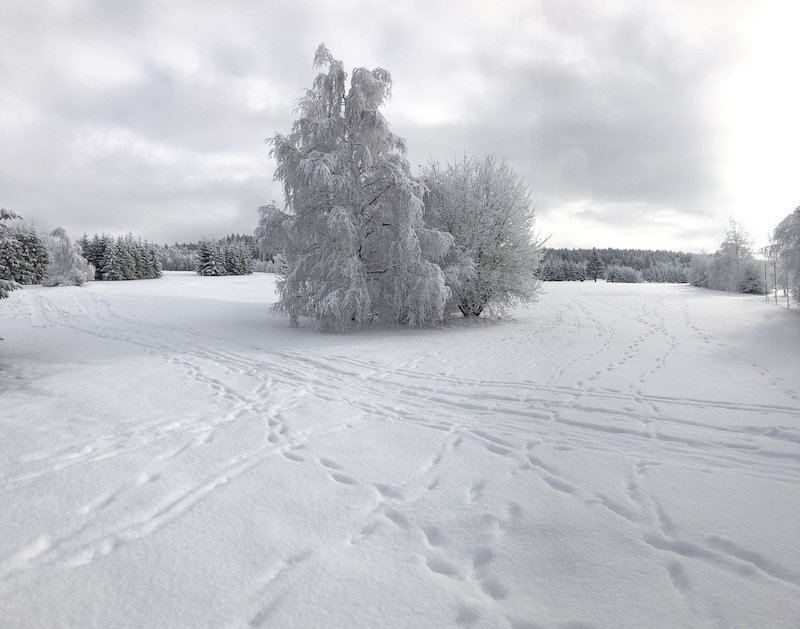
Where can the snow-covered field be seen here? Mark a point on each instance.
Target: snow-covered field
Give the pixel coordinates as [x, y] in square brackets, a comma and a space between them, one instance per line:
[172, 456]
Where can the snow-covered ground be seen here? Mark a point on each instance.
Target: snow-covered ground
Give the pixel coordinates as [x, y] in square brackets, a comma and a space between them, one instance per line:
[172, 456]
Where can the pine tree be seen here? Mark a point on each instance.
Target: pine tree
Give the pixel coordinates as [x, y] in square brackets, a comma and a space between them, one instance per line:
[211, 258]
[25, 256]
[8, 254]
[126, 248]
[751, 280]
[595, 267]
[113, 266]
[101, 246]
[352, 235]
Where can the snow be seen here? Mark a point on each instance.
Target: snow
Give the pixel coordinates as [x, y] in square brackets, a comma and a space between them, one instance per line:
[173, 456]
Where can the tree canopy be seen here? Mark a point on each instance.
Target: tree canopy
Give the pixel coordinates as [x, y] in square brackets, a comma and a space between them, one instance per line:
[352, 231]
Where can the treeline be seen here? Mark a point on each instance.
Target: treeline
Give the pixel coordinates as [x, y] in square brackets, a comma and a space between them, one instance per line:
[24, 254]
[615, 265]
[221, 257]
[639, 259]
[732, 267]
[783, 257]
[121, 258]
[28, 256]
[186, 256]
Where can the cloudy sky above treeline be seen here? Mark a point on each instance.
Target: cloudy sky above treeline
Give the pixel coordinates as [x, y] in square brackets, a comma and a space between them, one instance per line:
[635, 124]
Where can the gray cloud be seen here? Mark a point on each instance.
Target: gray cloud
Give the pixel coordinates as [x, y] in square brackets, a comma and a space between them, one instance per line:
[151, 117]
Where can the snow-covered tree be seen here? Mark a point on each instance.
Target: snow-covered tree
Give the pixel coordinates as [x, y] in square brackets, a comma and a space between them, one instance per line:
[664, 272]
[698, 270]
[211, 258]
[487, 209]
[556, 269]
[352, 234]
[786, 247]
[8, 248]
[177, 258]
[751, 278]
[113, 264]
[154, 263]
[734, 250]
[94, 251]
[623, 274]
[552, 269]
[238, 258]
[731, 267]
[595, 267]
[23, 253]
[67, 266]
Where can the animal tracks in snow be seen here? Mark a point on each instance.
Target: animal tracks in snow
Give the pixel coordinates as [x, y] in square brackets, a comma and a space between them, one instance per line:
[475, 463]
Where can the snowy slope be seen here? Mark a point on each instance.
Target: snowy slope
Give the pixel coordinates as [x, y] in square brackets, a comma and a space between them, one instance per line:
[172, 456]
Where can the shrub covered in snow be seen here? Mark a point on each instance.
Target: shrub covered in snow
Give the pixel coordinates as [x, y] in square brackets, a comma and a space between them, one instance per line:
[67, 265]
[486, 208]
[177, 258]
[623, 274]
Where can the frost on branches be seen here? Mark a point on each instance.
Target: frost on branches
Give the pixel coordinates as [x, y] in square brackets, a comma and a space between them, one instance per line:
[487, 209]
[7, 281]
[67, 265]
[352, 234]
[224, 258]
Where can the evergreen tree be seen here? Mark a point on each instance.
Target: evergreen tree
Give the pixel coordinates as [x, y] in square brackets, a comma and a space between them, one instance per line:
[113, 264]
[751, 279]
[238, 258]
[8, 254]
[211, 258]
[552, 269]
[595, 267]
[126, 248]
[101, 246]
[24, 254]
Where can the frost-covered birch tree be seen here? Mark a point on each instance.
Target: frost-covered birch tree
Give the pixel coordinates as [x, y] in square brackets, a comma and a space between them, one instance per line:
[487, 209]
[786, 243]
[67, 265]
[352, 234]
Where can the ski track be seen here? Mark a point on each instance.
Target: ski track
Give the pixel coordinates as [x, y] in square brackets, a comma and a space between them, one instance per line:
[512, 418]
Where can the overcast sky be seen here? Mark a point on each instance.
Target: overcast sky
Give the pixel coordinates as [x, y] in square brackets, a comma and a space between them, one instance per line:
[635, 124]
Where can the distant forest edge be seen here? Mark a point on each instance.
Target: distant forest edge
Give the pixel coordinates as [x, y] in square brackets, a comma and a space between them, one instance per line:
[242, 253]
[733, 267]
[557, 264]
[28, 256]
[615, 265]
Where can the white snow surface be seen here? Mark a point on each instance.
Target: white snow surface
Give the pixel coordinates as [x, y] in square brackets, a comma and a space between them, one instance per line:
[173, 456]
